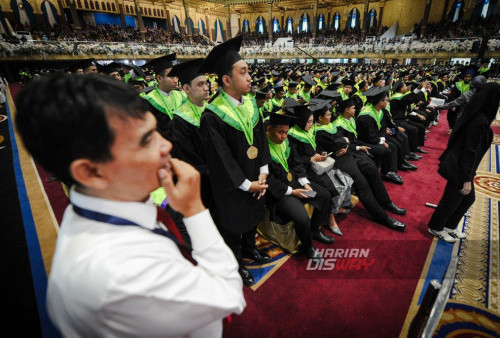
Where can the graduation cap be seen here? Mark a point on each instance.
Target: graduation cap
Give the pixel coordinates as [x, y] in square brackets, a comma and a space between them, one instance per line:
[222, 57]
[309, 82]
[162, 63]
[320, 108]
[111, 68]
[347, 82]
[342, 105]
[187, 71]
[88, 63]
[376, 91]
[293, 84]
[362, 84]
[278, 88]
[281, 119]
[398, 85]
[333, 86]
[329, 95]
[262, 94]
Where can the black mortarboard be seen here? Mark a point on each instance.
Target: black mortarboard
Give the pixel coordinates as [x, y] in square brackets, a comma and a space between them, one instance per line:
[262, 94]
[329, 95]
[333, 86]
[293, 84]
[111, 68]
[398, 85]
[320, 108]
[342, 105]
[187, 71]
[347, 82]
[88, 63]
[278, 88]
[280, 119]
[309, 82]
[375, 91]
[222, 57]
[290, 103]
[362, 84]
[162, 63]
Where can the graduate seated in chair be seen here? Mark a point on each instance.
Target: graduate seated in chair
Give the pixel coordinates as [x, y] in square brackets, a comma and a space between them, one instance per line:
[289, 187]
[354, 160]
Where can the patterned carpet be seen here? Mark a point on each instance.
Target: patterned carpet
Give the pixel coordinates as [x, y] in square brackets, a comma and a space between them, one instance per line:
[473, 306]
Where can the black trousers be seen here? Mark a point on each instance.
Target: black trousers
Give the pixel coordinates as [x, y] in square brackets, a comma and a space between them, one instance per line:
[413, 134]
[451, 208]
[452, 117]
[291, 209]
[240, 243]
[387, 157]
[367, 183]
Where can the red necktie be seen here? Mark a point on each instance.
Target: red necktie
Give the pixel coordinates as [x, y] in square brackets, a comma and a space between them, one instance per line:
[163, 217]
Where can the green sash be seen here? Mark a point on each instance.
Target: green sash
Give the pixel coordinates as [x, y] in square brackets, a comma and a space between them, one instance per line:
[349, 125]
[280, 152]
[361, 96]
[268, 106]
[278, 103]
[329, 128]
[398, 96]
[462, 87]
[303, 136]
[306, 96]
[190, 112]
[165, 104]
[370, 110]
[293, 96]
[484, 70]
[243, 118]
[343, 94]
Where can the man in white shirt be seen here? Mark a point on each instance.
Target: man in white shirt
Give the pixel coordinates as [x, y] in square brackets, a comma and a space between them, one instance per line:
[117, 271]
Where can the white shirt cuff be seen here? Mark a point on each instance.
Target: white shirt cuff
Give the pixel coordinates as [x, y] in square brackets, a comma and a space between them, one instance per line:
[288, 191]
[357, 147]
[303, 181]
[413, 113]
[347, 140]
[264, 169]
[382, 140]
[245, 186]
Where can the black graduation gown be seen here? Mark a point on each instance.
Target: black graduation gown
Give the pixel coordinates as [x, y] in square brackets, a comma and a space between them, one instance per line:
[304, 153]
[278, 185]
[163, 121]
[367, 184]
[188, 147]
[228, 165]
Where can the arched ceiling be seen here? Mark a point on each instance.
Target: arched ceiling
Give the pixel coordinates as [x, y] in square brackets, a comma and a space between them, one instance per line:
[262, 6]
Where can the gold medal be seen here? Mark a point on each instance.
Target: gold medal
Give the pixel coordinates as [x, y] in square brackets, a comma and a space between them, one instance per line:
[289, 177]
[252, 152]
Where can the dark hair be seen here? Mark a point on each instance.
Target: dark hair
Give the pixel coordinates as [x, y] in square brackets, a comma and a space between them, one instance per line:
[377, 98]
[228, 71]
[62, 118]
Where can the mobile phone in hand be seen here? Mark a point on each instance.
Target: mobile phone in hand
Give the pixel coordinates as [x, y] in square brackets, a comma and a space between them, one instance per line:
[310, 193]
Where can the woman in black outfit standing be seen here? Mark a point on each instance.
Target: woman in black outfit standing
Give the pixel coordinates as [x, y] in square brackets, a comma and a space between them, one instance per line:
[468, 143]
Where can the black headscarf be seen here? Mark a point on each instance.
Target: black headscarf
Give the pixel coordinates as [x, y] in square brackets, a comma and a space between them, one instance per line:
[481, 109]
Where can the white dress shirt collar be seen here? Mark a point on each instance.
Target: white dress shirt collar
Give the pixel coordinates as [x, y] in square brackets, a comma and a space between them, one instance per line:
[234, 101]
[164, 93]
[141, 213]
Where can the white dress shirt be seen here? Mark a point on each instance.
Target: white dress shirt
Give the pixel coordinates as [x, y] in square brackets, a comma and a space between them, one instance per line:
[124, 281]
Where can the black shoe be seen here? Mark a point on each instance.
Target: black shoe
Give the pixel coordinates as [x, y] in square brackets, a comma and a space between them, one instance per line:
[392, 177]
[395, 209]
[321, 237]
[257, 256]
[408, 166]
[420, 150]
[246, 276]
[415, 155]
[394, 224]
[313, 254]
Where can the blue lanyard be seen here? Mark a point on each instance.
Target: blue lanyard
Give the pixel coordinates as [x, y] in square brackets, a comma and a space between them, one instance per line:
[104, 218]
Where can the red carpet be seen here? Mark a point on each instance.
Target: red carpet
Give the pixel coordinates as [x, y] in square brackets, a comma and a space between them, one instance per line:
[351, 299]
[358, 303]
